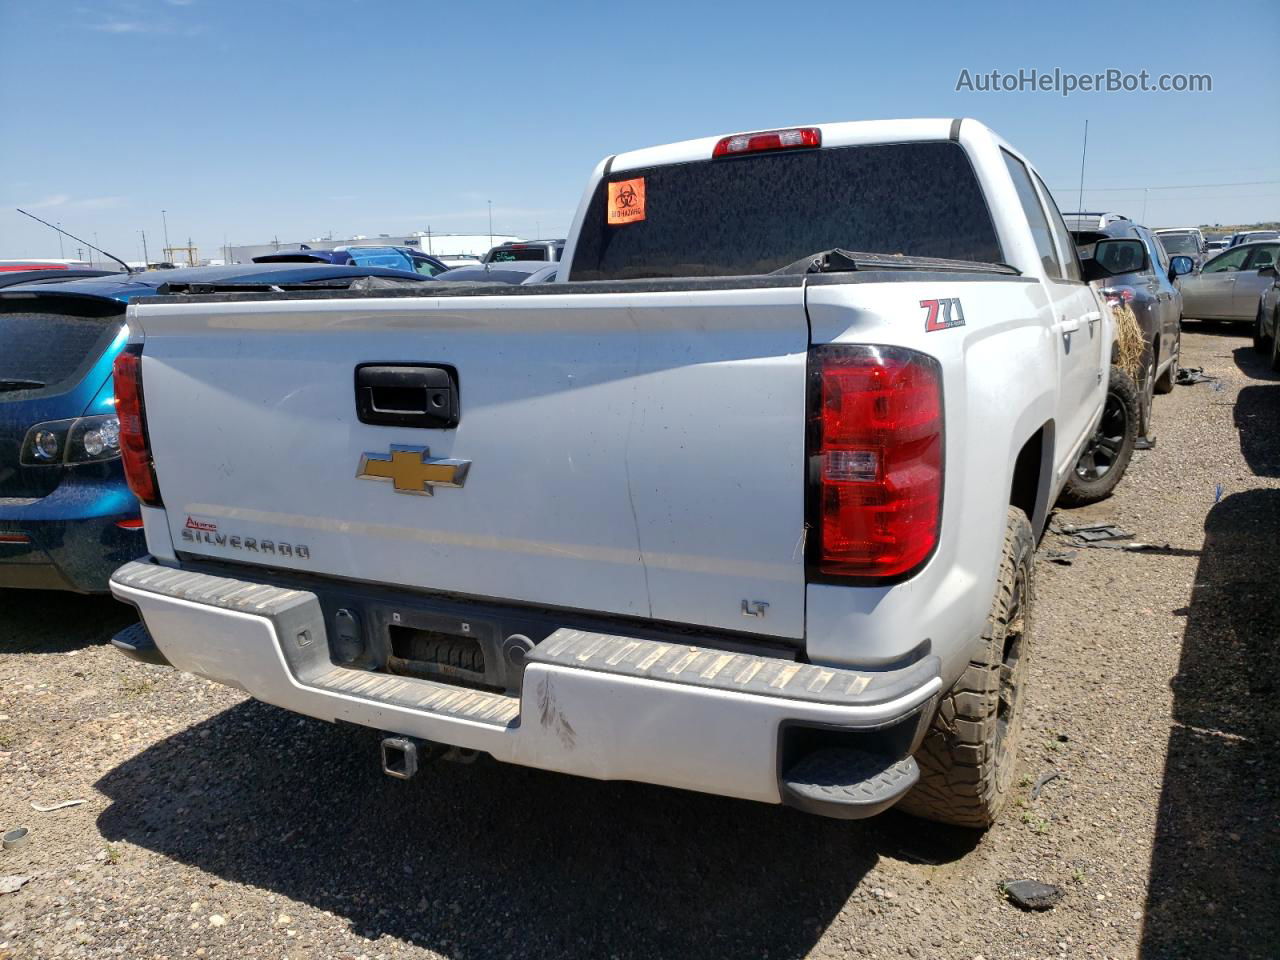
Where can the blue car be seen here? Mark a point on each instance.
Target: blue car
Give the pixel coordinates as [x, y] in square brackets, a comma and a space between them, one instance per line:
[67, 518]
[399, 258]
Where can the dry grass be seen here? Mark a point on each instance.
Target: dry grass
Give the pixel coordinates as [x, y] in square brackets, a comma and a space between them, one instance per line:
[1129, 342]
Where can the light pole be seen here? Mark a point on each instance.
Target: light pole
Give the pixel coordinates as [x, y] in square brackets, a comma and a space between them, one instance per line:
[62, 255]
[491, 223]
[146, 260]
[165, 221]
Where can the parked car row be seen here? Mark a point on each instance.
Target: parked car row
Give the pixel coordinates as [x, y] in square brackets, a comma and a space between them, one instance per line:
[1168, 275]
[1252, 236]
[539, 252]
[1230, 285]
[393, 258]
[1133, 269]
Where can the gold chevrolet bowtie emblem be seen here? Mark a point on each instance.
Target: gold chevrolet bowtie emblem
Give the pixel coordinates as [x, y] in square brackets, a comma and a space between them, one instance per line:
[411, 469]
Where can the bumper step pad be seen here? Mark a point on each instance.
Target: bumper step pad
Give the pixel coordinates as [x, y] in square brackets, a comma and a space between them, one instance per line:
[446, 699]
[847, 784]
[721, 670]
[134, 642]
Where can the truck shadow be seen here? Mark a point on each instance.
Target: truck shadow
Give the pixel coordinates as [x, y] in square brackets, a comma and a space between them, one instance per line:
[495, 860]
[1215, 859]
[1255, 413]
[45, 621]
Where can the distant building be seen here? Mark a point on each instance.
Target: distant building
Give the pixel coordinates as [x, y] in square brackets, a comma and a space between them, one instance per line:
[437, 244]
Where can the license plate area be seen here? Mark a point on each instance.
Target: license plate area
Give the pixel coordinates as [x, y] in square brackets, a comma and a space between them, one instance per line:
[433, 655]
[407, 640]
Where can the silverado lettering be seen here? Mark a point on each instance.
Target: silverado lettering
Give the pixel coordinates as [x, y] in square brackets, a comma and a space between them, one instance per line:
[299, 550]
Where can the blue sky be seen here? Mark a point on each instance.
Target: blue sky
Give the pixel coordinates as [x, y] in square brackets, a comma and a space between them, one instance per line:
[292, 118]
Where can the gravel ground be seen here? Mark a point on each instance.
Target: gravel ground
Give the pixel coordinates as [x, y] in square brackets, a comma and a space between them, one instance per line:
[216, 827]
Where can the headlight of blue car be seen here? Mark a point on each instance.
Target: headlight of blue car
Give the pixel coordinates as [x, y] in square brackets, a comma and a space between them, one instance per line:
[82, 440]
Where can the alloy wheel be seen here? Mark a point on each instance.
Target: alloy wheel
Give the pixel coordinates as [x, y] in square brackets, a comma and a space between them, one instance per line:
[1103, 450]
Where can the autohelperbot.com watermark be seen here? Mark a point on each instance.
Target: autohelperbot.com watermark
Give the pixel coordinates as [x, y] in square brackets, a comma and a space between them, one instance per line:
[1065, 83]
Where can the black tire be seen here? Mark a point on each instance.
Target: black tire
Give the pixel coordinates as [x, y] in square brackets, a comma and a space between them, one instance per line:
[1166, 380]
[967, 757]
[1275, 353]
[1107, 454]
[1259, 341]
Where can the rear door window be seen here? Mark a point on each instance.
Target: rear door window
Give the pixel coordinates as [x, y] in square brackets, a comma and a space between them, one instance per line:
[1259, 257]
[1179, 243]
[757, 213]
[53, 341]
[1233, 259]
[388, 257]
[427, 267]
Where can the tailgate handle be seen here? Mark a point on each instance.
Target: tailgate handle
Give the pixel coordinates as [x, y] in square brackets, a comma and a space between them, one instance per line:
[407, 395]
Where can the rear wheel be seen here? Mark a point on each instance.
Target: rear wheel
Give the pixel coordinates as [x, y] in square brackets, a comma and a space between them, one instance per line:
[1107, 454]
[967, 758]
[1275, 353]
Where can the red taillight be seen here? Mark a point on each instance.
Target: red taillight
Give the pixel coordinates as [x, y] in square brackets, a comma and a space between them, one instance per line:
[1119, 295]
[135, 448]
[130, 523]
[875, 460]
[768, 140]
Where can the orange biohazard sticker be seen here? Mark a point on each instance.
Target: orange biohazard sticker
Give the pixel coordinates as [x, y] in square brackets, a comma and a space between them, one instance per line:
[626, 201]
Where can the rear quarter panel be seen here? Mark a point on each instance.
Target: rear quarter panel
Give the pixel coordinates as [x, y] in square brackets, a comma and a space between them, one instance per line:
[999, 387]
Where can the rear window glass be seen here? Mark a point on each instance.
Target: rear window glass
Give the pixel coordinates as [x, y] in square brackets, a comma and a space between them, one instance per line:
[380, 257]
[53, 344]
[1184, 243]
[756, 214]
[512, 254]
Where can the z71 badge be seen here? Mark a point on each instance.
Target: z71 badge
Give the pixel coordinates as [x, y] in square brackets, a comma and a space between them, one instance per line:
[943, 314]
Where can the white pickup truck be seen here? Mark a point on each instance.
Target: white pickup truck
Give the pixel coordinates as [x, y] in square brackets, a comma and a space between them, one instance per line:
[744, 503]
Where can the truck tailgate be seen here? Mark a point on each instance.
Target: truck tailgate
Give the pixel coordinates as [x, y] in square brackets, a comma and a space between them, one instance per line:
[638, 454]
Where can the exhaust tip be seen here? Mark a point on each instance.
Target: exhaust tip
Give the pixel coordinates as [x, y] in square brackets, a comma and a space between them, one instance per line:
[399, 757]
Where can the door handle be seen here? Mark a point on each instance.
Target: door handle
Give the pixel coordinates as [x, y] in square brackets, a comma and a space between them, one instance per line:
[407, 395]
[1066, 325]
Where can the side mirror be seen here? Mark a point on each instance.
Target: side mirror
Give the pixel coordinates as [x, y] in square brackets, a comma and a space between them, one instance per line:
[1180, 266]
[1268, 271]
